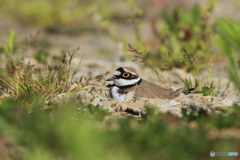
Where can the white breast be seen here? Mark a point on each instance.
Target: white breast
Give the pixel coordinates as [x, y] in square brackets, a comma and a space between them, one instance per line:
[116, 95]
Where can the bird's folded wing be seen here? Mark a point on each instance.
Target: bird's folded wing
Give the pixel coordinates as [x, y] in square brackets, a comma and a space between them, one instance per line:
[152, 91]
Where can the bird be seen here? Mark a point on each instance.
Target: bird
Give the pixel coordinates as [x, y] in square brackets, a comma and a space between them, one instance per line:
[126, 80]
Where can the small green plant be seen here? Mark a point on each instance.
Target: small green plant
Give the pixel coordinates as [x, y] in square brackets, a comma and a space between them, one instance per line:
[9, 48]
[26, 79]
[41, 56]
[207, 90]
[200, 85]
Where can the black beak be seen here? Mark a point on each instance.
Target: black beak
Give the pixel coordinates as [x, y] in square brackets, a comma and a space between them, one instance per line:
[111, 78]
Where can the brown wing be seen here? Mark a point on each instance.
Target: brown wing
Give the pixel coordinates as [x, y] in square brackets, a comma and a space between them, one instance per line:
[151, 90]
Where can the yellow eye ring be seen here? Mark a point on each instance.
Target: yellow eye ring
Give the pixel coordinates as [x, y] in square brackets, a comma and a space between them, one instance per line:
[125, 74]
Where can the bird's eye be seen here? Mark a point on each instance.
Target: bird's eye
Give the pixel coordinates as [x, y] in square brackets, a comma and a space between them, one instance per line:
[125, 74]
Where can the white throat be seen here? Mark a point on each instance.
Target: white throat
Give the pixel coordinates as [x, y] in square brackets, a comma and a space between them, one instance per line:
[125, 82]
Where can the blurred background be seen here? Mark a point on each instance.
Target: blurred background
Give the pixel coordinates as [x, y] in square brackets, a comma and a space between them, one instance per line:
[103, 28]
[44, 30]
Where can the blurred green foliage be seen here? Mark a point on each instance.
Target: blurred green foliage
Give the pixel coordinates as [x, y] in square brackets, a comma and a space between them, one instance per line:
[61, 132]
[227, 41]
[53, 14]
[182, 40]
[181, 37]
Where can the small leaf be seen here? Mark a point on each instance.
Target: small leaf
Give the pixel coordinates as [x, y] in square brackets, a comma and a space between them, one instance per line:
[11, 41]
[207, 90]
